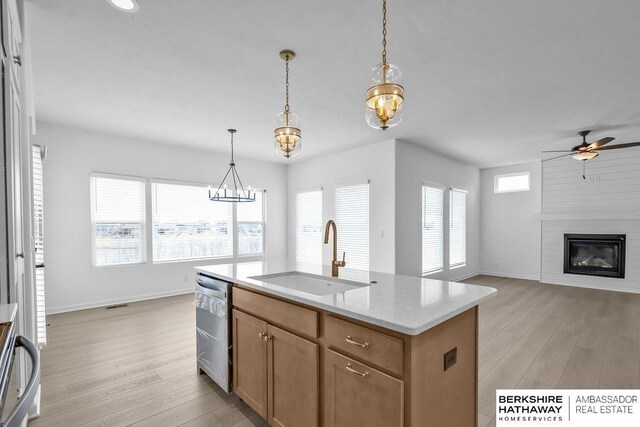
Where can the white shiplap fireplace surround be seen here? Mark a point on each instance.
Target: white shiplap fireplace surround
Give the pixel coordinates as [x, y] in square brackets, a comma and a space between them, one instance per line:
[606, 202]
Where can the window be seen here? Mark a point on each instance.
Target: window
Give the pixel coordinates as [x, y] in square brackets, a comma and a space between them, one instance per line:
[511, 183]
[309, 226]
[251, 225]
[352, 219]
[38, 241]
[187, 225]
[432, 229]
[457, 228]
[118, 220]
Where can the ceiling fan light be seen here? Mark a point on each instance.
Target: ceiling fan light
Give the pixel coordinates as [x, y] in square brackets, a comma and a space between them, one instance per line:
[585, 155]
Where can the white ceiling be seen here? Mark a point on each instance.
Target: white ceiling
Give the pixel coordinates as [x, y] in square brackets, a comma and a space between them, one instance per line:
[489, 82]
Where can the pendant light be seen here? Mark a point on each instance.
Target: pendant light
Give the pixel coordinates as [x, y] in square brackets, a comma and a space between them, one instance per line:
[385, 95]
[237, 193]
[287, 131]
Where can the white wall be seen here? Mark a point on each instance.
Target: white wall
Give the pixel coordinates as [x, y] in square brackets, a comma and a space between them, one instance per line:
[374, 162]
[606, 202]
[509, 227]
[415, 165]
[71, 280]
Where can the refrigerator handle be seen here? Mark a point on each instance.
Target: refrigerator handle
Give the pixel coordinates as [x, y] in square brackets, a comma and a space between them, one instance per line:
[21, 409]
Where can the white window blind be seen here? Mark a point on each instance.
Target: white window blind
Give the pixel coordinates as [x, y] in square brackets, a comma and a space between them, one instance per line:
[432, 229]
[38, 241]
[187, 225]
[352, 219]
[457, 228]
[309, 226]
[251, 225]
[511, 183]
[118, 220]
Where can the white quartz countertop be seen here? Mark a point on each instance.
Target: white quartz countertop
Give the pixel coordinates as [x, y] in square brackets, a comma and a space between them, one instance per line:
[409, 305]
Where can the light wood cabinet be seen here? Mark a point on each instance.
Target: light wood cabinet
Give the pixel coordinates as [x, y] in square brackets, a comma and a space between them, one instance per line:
[300, 366]
[358, 395]
[250, 361]
[293, 370]
[275, 372]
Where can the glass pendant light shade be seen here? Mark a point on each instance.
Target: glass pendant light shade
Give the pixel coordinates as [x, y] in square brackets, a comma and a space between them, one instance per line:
[287, 134]
[385, 97]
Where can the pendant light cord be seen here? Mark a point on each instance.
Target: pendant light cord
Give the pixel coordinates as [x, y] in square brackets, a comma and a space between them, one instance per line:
[384, 31]
[286, 106]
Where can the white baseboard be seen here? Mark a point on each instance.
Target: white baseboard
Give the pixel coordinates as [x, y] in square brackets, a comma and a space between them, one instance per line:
[511, 275]
[464, 277]
[76, 307]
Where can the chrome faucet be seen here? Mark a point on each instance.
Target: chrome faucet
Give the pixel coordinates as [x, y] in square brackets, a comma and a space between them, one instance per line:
[334, 263]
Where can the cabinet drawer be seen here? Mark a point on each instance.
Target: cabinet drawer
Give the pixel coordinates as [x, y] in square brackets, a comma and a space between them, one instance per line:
[278, 312]
[372, 346]
[357, 395]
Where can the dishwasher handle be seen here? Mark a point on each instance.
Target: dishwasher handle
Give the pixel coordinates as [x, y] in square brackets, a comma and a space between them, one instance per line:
[21, 409]
[222, 295]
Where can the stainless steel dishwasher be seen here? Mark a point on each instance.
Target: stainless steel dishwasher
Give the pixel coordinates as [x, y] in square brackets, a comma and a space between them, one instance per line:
[213, 329]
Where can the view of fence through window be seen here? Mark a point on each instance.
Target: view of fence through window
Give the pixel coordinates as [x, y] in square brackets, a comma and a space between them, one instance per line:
[187, 225]
[118, 220]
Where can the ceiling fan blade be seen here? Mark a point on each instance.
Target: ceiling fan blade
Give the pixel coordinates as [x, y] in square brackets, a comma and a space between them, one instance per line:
[557, 157]
[599, 143]
[625, 145]
[557, 151]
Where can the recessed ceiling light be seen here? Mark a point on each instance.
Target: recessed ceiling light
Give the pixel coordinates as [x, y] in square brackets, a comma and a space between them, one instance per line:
[125, 5]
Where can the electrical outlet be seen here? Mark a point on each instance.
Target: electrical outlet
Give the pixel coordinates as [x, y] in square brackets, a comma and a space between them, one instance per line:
[450, 358]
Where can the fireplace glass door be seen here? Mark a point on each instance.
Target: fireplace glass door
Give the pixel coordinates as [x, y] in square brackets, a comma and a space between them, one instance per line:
[594, 254]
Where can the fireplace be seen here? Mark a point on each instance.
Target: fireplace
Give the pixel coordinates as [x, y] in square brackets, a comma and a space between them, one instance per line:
[594, 254]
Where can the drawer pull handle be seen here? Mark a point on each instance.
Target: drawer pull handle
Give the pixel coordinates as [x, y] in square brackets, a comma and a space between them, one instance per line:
[351, 341]
[362, 374]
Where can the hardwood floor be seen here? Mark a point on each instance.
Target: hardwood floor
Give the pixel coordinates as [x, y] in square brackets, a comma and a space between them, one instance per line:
[535, 335]
[135, 365]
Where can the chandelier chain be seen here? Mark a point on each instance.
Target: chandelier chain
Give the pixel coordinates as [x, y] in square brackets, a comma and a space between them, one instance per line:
[286, 106]
[384, 31]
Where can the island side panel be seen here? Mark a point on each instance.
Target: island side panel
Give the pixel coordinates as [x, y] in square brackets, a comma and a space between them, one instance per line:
[442, 397]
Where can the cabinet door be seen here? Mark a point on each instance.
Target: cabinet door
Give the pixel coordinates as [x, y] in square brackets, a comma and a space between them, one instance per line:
[293, 367]
[357, 395]
[250, 361]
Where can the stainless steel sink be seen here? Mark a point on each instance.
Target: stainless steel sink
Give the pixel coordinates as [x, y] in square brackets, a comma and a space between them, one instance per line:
[310, 283]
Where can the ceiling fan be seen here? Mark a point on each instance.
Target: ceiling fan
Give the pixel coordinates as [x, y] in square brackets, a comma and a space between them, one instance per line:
[587, 151]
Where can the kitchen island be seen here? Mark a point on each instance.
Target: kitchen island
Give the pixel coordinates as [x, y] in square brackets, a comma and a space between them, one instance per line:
[365, 348]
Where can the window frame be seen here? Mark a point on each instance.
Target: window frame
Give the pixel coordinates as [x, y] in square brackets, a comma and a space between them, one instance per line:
[144, 235]
[236, 223]
[466, 205]
[443, 188]
[295, 203]
[496, 179]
